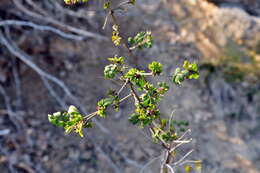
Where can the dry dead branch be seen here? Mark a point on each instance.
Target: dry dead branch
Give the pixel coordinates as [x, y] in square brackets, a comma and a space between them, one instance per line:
[46, 77]
[53, 21]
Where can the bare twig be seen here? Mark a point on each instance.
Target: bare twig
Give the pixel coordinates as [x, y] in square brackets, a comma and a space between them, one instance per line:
[165, 161]
[170, 120]
[120, 5]
[184, 157]
[175, 147]
[90, 116]
[41, 28]
[182, 136]
[105, 21]
[148, 163]
[10, 111]
[164, 144]
[53, 21]
[135, 95]
[124, 98]
[190, 161]
[5, 112]
[27, 60]
[17, 82]
[36, 7]
[123, 86]
[183, 141]
[54, 93]
[170, 168]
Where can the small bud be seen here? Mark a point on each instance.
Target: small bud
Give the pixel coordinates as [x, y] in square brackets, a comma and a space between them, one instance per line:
[57, 114]
[72, 109]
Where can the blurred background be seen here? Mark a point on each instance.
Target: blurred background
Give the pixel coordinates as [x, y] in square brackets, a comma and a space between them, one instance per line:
[53, 55]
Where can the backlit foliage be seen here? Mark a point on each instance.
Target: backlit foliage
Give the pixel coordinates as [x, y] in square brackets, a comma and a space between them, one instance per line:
[146, 95]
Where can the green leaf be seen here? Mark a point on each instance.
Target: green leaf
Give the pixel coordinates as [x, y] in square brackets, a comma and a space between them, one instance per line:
[134, 119]
[71, 120]
[117, 60]
[195, 75]
[188, 168]
[79, 128]
[116, 38]
[190, 72]
[141, 40]
[102, 106]
[163, 87]
[107, 4]
[110, 71]
[155, 67]
[69, 2]
[186, 64]
[136, 77]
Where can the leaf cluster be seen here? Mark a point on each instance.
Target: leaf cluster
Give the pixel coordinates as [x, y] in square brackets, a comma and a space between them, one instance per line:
[189, 71]
[70, 120]
[116, 38]
[69, 2]
[141, 40]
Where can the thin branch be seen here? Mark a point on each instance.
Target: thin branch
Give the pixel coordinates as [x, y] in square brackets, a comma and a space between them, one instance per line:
[111, 13]
[90, 116]
[17, 82]
[41, 28]
[123, 86]
[105, 22]
[53, 21]
[93, 114]
[190, 161]
[160, 139]
[10, 111]
[179, 142]
[170, 168]
[26, 59]
[182, 136]
[186, 155]
[145, 74]
[165, 161]
[175, 147]
[137, 99]
[16, 113]
[170, 120]
[183, 141]
[35, 6]
[148, 163]
[120, 5]
[54, 93]
[124, 98]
